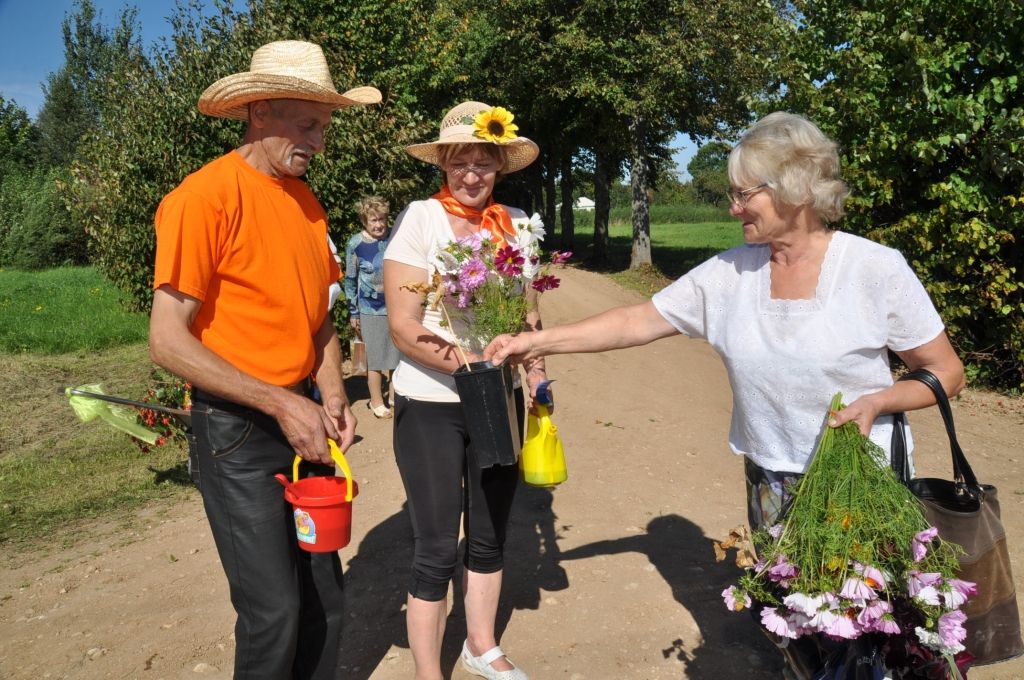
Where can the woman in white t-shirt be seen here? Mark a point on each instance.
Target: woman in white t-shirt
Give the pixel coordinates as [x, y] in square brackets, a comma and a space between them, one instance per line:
[434, 452]
[798, 313]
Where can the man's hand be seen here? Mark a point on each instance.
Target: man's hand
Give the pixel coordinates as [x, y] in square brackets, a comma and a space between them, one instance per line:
[339, 421]
[306, 427]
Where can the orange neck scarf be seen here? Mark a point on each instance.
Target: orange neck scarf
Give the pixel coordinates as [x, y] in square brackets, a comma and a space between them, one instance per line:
[495, 217]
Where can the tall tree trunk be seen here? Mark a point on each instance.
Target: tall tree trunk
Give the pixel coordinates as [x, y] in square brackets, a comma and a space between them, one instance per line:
[551, 192]
[641, 254]
[602, 202]
[536, 190]
[568, 219]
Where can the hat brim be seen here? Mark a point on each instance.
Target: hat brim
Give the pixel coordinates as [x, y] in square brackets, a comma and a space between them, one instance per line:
[520, 151]
[230, 96]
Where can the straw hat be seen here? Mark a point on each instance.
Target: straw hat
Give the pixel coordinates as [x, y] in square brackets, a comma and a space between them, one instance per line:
[289, 69]
[457, 127]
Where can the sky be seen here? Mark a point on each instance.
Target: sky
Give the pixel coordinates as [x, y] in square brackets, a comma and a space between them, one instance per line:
[32, 47]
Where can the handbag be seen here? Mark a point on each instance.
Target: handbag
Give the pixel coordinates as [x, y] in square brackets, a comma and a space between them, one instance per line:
[357, 351]
[966, 512]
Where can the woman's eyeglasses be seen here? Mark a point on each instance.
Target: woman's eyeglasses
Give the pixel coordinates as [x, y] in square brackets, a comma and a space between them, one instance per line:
[739, 197]
[458, 170]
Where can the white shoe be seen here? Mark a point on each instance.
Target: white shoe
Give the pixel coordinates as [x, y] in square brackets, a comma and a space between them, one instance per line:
[481, 665]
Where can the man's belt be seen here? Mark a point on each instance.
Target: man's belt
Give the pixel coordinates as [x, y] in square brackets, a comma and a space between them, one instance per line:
[304, 387]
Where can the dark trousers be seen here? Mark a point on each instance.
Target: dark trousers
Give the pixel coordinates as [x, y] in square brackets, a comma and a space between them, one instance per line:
[443, 483]
[288, 601]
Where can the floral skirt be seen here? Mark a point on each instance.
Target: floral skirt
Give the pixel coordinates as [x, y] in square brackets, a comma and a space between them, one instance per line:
[768, 493]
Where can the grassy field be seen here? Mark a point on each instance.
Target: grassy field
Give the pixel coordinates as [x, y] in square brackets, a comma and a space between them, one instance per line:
[62, 310]
[56, 471]
[65, 327]
[676, 249]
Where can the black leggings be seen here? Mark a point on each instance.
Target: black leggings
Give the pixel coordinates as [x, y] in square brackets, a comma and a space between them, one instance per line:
[443, 482]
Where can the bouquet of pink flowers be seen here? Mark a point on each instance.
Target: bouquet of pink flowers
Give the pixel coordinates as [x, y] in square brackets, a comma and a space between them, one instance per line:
[485, 284]
[855, 557]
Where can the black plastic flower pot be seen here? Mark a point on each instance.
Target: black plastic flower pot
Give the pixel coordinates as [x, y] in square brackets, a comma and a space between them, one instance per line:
[488, 404]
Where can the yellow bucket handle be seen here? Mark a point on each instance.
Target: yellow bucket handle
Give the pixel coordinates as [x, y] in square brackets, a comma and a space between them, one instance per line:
[339, 458]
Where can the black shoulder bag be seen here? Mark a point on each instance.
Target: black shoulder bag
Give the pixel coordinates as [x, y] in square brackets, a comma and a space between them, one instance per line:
[967, 513]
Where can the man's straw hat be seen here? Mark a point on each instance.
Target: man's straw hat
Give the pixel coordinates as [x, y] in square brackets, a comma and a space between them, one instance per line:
[457, 127]
[289, 69]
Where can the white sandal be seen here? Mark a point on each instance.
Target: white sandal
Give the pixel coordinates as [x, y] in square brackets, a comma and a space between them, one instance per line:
[481, 665]
[381, 411]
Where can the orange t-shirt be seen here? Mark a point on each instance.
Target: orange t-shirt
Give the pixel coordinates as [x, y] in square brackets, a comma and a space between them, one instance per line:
[253, 249]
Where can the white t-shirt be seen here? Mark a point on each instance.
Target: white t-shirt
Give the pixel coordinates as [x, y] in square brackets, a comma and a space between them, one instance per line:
[419, 232]
[787, 358]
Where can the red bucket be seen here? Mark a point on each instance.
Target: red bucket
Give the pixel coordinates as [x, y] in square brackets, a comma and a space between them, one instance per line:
[322, 506]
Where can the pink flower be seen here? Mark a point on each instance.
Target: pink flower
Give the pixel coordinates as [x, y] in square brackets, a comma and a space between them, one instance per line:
[921, 542]
[871, 575]
[777, 624]
[560, 257]
[872, 613]
[924, 586]
[823, 621]
[856, 589]
[887, 625]
[473, 274]
[735, 600]
[775, 530]
[475, 241]
[918, 580]
[509, 261]
[782, 571]
[546, 282]
[843, 625]
[805, 604]
[955, 592]
[951, 628]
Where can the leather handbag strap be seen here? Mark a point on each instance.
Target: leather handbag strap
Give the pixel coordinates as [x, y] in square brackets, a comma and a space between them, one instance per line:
[962, 472]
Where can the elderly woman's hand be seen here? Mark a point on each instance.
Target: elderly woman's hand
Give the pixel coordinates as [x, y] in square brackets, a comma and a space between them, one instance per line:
[513, 348]
[863, 411]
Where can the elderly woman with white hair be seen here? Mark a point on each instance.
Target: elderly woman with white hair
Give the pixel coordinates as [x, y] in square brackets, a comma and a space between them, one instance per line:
[799, 312]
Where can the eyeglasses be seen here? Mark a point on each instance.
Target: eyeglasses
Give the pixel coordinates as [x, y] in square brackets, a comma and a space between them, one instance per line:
[458, 170]
[739, 197]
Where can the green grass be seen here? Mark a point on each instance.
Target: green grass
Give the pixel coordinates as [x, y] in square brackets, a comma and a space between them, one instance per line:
[675, 249]
[57, 473]
[63, 310]
[62, 328]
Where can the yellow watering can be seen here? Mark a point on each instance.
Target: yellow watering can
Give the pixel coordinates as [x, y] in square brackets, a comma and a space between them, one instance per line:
[542, 461]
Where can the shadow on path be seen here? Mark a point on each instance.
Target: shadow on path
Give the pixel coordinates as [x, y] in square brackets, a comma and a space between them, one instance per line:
[727, 644]
[375, 590]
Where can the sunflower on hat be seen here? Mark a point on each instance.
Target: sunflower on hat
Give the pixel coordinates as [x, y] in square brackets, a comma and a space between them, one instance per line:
[495, 125]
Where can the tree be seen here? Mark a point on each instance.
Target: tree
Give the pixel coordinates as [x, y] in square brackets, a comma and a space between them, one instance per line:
[710, 172]
[18, 139]
[652, 68]
[131, 161]
[926, 100]
[71, 103]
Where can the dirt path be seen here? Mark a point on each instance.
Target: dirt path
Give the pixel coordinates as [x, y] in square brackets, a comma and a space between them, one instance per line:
[610, 575]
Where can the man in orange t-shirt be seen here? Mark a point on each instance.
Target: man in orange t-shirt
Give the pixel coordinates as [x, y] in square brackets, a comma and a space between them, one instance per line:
[240, 310]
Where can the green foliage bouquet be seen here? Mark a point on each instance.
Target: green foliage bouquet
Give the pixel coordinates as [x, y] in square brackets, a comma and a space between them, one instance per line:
[856, 557]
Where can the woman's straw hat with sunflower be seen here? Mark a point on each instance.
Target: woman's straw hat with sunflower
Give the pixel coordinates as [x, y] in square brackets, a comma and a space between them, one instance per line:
[479, 123]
